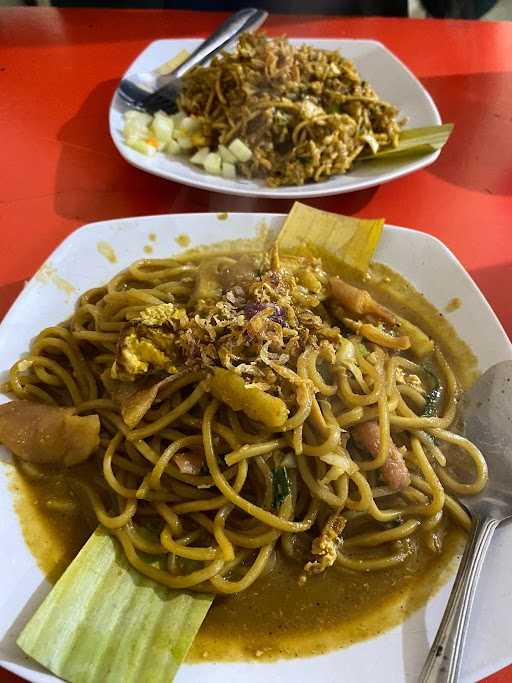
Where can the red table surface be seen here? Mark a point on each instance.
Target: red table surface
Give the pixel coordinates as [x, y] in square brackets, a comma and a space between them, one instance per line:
[58, 69]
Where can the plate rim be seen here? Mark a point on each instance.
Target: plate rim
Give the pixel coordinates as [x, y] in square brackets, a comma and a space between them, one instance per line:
[311, 190]
[34, 675]
[259, 215]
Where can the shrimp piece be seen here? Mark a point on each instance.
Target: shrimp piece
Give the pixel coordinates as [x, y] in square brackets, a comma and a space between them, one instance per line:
[358, 301]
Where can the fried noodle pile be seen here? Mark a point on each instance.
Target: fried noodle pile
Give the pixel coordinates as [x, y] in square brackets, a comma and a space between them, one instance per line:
[304, 112]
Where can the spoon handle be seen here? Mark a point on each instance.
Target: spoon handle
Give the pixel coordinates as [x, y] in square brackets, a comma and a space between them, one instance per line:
[247, 19]
[445, 656]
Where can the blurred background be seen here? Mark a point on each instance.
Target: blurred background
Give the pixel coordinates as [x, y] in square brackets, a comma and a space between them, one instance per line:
[494, 10]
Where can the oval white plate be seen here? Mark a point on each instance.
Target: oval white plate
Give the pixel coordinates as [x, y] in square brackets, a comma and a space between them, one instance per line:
[390, 77]
[393, 657]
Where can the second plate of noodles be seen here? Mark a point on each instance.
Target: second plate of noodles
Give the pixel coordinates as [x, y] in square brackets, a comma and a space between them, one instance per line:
[304, 113]
[282, 117]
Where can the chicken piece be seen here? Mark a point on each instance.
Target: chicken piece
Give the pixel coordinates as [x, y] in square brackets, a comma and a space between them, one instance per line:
[307, 278]
[44, 434]
[394, 470]
[230, 388]
[310, 110]
[325, 547]
[190, 462]
[240, 272]
[358, 301]
[209, 282]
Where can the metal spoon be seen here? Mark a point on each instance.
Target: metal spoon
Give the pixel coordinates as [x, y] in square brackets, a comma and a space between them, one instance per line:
[169, 86]
[488, 423]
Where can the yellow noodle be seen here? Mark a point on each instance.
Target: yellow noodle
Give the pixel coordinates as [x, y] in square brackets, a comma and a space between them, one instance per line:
[265, 486]
[225, 586]
[387, 536]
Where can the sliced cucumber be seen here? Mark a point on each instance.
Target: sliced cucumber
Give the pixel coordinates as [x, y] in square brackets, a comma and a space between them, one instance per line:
[213, 163]
[162, 126]
[141, 146]
[172, 147]
[228, 170]
[240, 150]
[226, 155]
[200, 156]
[190, 124]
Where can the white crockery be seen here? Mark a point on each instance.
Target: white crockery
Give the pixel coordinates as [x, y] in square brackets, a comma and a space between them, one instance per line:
[392, 657]
[387, 74]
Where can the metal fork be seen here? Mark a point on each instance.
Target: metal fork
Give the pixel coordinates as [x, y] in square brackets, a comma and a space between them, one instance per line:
[164, 98]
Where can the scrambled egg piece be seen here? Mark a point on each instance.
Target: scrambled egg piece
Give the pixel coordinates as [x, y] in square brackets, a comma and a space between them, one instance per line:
[156, 316]
[310, 110]
[324, 547]
[138, 353]
[148, 343]
[411, 380]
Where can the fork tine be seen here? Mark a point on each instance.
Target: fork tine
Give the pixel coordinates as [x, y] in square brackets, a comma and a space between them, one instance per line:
[161, 100]
[132, 95]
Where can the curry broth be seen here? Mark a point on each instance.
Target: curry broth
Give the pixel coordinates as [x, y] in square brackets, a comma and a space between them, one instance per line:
[277, 617]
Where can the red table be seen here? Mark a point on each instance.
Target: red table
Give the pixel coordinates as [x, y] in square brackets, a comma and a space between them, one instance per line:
[58, 69]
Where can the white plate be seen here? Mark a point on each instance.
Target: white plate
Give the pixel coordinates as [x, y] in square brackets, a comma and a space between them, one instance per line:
[390, 658]
[390, 77]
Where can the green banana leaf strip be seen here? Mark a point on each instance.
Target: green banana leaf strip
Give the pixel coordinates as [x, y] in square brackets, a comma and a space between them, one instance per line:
[413, 142]
[351, 242]
[103, 621]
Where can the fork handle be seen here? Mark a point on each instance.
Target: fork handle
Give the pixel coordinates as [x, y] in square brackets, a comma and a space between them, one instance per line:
[248, 19]
[445, 656]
